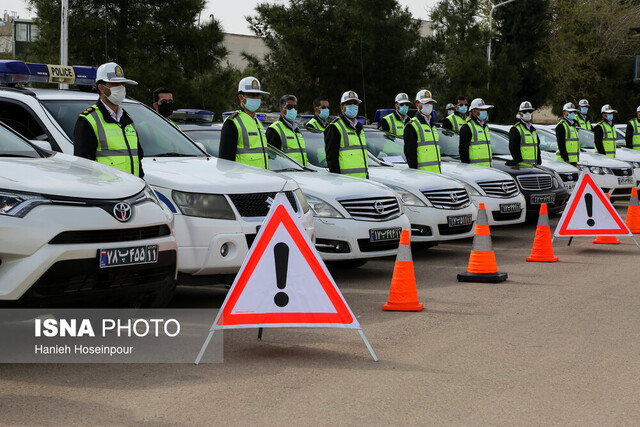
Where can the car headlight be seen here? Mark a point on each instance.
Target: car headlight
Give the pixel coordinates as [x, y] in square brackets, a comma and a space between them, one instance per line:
[19, 204]
[322, 209]
[302, 199]
[600, 170]
[203, 205]
[407, 197]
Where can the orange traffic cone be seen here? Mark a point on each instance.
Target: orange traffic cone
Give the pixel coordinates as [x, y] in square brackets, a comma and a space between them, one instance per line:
[607, 240]
[482, 262]
[633, 212]
[403, 295]
[542, 247]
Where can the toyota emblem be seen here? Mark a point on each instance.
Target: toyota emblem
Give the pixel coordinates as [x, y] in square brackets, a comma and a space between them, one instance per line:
[122, 211]
[454, 197]
[505, 187]
[379, 207]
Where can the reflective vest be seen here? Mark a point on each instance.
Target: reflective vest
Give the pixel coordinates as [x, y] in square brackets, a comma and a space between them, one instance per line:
[480, 146]
[117, 146]
[314, 123]
[352, 155]
[572, 144]
[456, 122]
[583, 124]
[608, 138]
[635, 141]
[292, 143]
[529, 143]
[396, 127]
[252, 141]
[428, 147]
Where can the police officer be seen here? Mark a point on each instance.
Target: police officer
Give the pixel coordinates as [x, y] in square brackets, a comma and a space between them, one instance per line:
[242, 138]
[604, 134]
[475, 142]
[421, 136]
[450, 109]
[582, 119]
[454, 121]
[524, 143]
[284, 133]
[344, 140]
[632, 134]
[567, 136]
[105, 132]
[320, 114]
[395, 122]
[163, 101]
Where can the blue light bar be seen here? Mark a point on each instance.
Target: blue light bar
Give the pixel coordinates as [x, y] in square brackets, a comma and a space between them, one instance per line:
[381, 113]
[192, 114]
[12, 72]
[85, 76]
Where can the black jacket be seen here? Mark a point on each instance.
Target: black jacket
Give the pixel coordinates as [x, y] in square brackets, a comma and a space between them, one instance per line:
[411, 141]
[85, 141]
[465, 140]
[514, 144]
[628, 135]
[332, 144]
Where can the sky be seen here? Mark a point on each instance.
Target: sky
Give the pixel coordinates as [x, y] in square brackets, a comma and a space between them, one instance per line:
[231, 14]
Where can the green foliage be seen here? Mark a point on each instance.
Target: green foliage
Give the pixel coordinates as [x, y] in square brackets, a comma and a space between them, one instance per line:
[327, 47]
[156, 43]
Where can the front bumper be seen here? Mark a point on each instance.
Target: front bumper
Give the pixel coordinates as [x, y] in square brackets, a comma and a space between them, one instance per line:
[429, 224]
[496, 215]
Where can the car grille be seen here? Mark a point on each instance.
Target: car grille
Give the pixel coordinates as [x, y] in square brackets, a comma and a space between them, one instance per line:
[454, 198]
[110, 236]
[255, 204]
[621, 171]
[372, 208]
[569, 176]
[535, 182]
[499, 188]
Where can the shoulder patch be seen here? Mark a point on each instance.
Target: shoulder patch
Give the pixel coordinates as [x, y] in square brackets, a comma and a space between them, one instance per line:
[234, 115]
[88, 110]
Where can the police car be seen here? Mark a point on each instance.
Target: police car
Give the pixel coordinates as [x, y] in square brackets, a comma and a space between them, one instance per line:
[78, 233]
[353, 218]
[218, 205]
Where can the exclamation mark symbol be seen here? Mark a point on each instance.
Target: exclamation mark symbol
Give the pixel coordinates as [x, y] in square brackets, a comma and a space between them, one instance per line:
[588, 201]
[281, 255]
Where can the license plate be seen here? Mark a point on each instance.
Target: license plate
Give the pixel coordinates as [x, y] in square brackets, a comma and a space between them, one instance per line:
[543, 198]
[625, 180]
[384, 234]
[459, 220]
[569, 186]
[510, 207]
[147, 254]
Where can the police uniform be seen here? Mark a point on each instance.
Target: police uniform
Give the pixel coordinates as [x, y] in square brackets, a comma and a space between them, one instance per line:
[346, 148]
[524, 144]
[632, 134]
[421, 147]
[287, 137]
[454, 121]
[475, 141]
[316, 123]
[567, 141]
[394, 124]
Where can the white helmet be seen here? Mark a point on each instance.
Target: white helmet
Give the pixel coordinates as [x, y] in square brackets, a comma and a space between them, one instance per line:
[112, 73]
[606, 108]
[569, 107]
[250, 85]
[526, 106]
[583, 103]
[424, 96]
[402, 98]
[479, 104]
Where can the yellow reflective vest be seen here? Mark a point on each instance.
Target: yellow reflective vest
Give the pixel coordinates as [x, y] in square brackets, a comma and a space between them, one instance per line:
[292, 143]
[352, 154]
[252, 142]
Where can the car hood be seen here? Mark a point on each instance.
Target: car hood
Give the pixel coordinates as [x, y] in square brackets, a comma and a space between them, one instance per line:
[594, 159]
[411, 179]
[471, 173]
[328, 186]
[211, 175]
[67, 176]
[549, 162]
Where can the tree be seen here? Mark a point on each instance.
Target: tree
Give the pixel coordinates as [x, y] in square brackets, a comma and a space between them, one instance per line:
[156, 43]
[590, 54]
[328, 47]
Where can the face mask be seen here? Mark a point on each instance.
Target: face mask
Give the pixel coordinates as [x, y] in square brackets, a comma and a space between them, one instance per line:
[483, 116]
[251, 104]
[571, 116]
[165, 109]
[610, 117]
[404, 109]
[427, 109]
[351, 111]
[462, 109]
[584, 110]
[118, 94]
[324, 114]
[527, 117]
[291, 114]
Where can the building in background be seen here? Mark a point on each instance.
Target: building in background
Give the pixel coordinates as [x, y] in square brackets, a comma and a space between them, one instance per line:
[15, 33]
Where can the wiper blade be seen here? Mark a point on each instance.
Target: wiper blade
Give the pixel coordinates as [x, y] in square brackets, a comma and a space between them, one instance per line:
[288, 170]
[174, 155]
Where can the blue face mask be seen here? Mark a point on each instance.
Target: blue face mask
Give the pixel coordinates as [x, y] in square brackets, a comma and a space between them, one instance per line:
[610, 117]
[462, 109]
[483, 115]
[291, 114]
[404, 109]
[252, 104]
[584, 110]
[351, 111]
[571, 116]
[324, 114]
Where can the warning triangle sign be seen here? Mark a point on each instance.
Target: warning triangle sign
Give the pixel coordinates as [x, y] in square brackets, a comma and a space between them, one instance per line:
[283, 282]
[590, 213]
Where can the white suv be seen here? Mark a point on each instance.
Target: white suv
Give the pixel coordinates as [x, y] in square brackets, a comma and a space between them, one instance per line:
[78, 233]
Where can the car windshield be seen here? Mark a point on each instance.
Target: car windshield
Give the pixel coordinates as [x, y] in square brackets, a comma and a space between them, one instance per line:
[587, 139]
[157, 136]
[547, 140]
[210, 138]
[12, 145]
[499, 144]
[382, 145]
[315, 148]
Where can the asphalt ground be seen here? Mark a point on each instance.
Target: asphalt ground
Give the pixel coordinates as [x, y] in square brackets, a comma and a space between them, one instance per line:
[555, 344]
